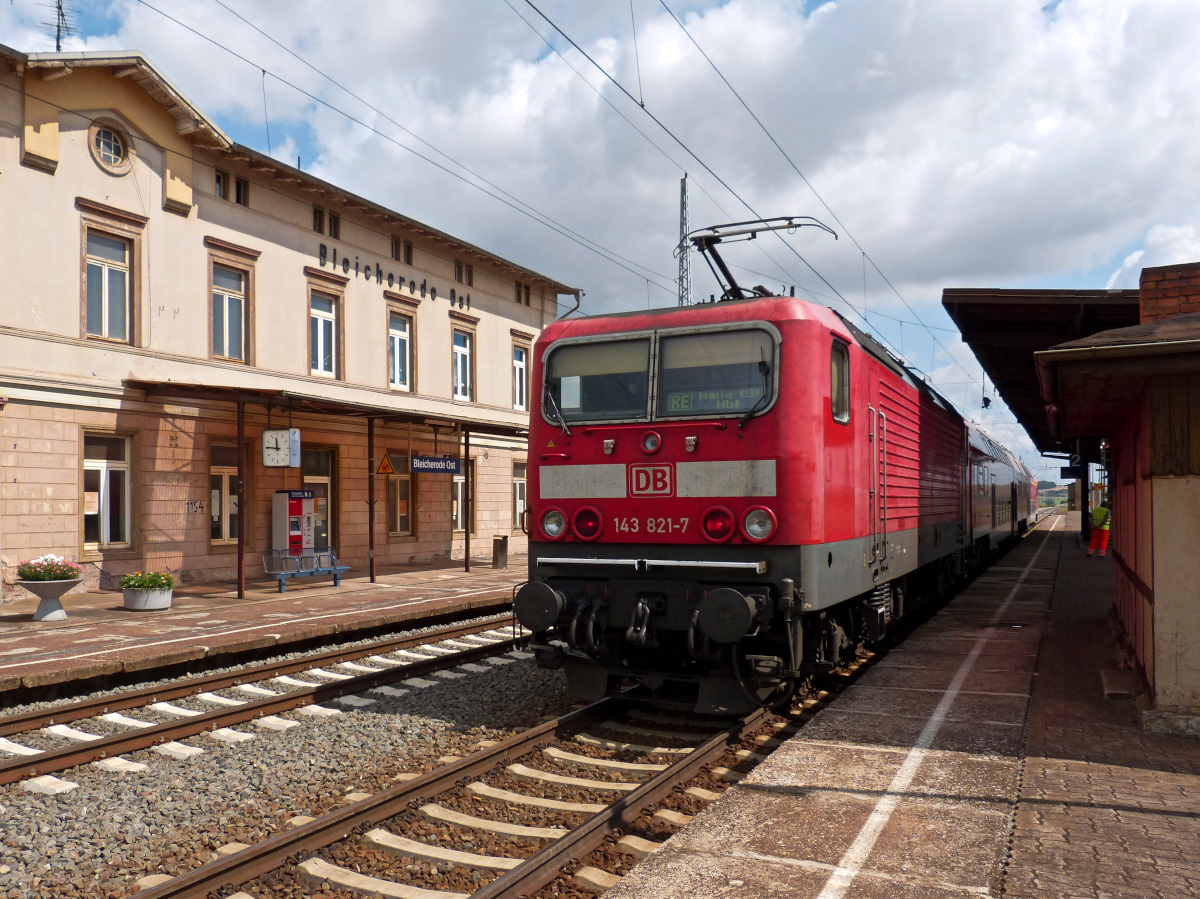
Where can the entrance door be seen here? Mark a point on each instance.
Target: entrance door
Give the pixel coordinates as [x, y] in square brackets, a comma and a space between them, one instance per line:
[318, 477]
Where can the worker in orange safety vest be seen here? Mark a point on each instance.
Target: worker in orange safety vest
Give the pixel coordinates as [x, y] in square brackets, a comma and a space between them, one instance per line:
[1101, 519]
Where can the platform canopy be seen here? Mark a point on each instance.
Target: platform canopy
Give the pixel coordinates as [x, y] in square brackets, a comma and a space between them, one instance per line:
[281, 401]
[1004, 328]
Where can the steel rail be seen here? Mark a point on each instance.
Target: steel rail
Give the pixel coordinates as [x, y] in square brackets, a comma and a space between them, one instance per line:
[268, 855]
[535, 872]
[540, 869]
[81, 753]
[90, 708]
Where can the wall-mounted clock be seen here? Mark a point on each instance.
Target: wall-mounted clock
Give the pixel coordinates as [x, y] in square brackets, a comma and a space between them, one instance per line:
[281, 448]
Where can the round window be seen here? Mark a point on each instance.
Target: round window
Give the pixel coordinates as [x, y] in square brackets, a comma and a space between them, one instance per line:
[111, 148]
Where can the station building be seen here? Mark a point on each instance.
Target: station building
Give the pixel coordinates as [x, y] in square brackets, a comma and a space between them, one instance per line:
[189, 326]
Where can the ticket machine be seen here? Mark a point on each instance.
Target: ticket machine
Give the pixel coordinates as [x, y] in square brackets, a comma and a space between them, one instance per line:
[292, 522]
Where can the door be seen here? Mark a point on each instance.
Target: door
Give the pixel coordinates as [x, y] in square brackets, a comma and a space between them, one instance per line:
[318, 477]
[877, 472]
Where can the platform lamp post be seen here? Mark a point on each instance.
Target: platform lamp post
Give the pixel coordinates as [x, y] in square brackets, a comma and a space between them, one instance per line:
[241, 495]
[468, 498]
[371, 494]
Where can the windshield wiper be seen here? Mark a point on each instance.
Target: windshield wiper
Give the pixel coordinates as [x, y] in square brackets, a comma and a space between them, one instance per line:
[548, 396]
[765, 370]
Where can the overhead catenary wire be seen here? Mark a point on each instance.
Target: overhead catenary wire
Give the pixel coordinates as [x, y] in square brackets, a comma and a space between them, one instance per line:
[682, 145]
[866, 257]
[513, 204]
[382, 114]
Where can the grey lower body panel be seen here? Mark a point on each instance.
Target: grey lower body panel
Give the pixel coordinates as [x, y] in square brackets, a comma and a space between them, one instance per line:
[827, 573]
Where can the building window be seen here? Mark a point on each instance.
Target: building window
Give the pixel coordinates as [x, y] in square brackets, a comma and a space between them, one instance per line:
[228, 313]
[318, 219]
[223, 494]
[242, 192]
[221, 185]
[335, 226]
[408, 254]
[520, 378]
[108, 293]
[521, 292]
[106, 491]
[470, 273]
[839, 392]
[458, 511]
[399, 351]
[396, 248]
[520, 486]
[323, 334]
[463, 382]
[111, 147]
[399, 497]
[458, 271]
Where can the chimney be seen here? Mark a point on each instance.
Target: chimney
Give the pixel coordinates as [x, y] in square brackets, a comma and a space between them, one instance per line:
[1168, 290]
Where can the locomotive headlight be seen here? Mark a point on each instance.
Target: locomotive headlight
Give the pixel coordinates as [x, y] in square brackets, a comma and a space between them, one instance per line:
[554, 524]
[588, 523]
[759, 524]
[651, 441]
[717, 525]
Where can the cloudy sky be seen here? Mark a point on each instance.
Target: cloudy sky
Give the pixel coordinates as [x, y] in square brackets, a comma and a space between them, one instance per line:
[950, 143]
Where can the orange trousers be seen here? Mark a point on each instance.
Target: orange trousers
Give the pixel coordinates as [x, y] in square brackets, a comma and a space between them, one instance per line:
[1099, 541]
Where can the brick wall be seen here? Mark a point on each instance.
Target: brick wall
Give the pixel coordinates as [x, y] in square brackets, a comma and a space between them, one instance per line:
[1168, 290]
[41, 493]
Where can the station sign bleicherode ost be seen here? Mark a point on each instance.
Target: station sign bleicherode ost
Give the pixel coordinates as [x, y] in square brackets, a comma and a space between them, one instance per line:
[392, 279]
[436, 464]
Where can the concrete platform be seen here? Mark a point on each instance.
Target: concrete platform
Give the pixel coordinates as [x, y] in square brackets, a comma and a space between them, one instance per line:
[100, 637]
[980, 758]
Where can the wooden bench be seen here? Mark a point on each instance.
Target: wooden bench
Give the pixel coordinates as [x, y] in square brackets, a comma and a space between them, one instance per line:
[281, 566]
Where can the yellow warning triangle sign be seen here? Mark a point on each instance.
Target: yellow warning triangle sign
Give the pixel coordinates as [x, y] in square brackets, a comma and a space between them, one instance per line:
[549, 443]
[385, 465]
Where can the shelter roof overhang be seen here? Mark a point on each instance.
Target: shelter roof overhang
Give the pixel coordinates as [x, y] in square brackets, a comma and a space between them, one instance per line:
[1088, 384]
[284, 400]
[1005, 328]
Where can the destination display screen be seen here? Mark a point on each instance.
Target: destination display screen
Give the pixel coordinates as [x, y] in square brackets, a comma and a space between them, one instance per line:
[689, 402]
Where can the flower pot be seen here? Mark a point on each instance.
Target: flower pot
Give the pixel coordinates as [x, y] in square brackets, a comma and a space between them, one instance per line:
[49, 609]
[146, 600]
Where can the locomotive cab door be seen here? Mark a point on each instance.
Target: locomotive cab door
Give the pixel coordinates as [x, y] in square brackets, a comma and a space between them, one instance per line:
[877, 474]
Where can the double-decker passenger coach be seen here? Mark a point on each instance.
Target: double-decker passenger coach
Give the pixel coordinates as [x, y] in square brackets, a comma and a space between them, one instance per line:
[728, 496]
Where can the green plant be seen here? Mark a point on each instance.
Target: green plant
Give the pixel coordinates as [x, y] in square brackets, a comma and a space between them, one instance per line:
[48, 568]
[147, 580]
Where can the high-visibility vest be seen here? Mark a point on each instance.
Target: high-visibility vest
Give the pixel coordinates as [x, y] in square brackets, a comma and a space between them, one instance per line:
[1101, 517]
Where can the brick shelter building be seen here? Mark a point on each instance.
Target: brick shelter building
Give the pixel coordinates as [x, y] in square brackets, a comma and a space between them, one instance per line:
[172, 295]
[1138, 387]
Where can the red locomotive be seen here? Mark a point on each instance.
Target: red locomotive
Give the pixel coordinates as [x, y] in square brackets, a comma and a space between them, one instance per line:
[728, 496]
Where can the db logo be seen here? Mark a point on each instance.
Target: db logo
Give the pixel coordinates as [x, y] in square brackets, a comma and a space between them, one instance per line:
[650, 480]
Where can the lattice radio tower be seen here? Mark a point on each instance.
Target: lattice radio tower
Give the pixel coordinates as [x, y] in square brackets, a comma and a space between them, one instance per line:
[685, 256]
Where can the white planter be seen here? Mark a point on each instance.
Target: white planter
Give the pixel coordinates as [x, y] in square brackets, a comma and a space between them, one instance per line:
[49, 609]
[147, 600]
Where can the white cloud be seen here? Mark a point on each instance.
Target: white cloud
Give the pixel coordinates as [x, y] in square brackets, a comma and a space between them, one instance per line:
[992, 143]
[1164, 245]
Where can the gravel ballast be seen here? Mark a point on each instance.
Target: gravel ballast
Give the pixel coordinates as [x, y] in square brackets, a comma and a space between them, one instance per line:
[98, 839]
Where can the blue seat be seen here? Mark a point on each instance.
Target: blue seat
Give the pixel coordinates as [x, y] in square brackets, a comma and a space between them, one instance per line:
[281, 566]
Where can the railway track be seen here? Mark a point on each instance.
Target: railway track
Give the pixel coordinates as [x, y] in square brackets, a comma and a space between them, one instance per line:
[510, 818]
[392, 661]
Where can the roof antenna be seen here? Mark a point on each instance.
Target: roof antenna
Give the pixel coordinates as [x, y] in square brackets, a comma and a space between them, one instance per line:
[63, 24]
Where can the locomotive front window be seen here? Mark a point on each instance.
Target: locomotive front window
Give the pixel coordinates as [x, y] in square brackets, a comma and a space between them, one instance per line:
[600, 381]
[715, 373]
